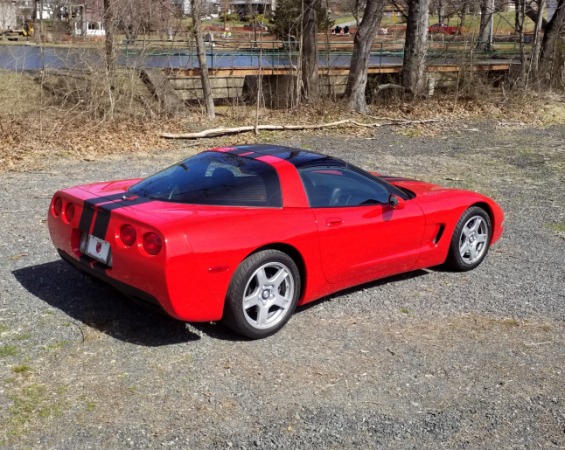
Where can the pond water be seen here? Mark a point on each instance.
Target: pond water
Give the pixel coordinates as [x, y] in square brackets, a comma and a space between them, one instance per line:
[32, 57]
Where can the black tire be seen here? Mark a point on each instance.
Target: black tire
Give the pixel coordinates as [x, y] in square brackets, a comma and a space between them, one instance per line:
[270, 281]
[471, 240]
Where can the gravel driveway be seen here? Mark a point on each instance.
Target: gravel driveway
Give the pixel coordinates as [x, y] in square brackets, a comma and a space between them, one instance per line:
[432, 359]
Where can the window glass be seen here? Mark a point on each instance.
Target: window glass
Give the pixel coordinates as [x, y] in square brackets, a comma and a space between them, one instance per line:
[333, 187]
[213, 178]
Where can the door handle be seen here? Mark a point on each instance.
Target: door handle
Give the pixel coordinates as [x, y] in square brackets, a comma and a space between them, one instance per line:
[333, 221]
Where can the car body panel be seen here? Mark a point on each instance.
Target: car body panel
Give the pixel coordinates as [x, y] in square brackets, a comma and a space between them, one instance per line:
[391, 240]
[203, 245]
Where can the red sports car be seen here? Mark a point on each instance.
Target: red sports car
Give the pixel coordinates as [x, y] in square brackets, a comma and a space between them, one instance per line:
[245, 234]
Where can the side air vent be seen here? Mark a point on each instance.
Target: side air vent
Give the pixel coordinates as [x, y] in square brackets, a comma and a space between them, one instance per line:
[439, 234]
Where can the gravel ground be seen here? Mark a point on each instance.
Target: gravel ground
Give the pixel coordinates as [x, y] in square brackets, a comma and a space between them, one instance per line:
[431, 359]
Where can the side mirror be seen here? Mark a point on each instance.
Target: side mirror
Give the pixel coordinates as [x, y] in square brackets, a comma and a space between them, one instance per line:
[396, 202]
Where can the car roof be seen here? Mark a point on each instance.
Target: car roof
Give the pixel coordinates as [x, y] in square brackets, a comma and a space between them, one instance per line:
[298, 157]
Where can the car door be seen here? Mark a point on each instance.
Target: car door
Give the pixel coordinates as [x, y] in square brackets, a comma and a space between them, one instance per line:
[360, 235]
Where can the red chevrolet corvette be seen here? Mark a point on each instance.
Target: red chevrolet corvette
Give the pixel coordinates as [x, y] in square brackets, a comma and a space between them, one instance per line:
[245, 234]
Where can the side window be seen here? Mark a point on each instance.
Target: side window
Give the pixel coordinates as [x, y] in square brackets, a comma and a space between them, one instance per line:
[329, 187]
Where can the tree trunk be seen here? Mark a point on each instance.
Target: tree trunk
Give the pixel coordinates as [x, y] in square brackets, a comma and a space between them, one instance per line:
[109, 37]
[464, 10]
[551, 38]
[355, 91]
[440, 12]
[484, 27]
[520, 19]
[416, 47]
[201, 52]
[309, 52]
[536, 48]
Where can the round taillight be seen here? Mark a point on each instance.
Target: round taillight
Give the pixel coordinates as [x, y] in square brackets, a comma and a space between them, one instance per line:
[128, 235]
[152, 243]
[57, 206]
[70, 212]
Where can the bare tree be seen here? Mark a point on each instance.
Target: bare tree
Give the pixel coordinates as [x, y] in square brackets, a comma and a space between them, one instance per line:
[554, 34]
[358, 70]
[200, 49]
[416, 47]
[487, 11]
[109, 39]
[309, 64]
[536, 47]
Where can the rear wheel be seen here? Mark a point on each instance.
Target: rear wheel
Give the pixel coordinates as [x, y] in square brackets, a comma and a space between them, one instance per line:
[471, 239]
[262, 294]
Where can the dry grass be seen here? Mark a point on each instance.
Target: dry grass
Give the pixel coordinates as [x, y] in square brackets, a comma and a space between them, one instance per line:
[69, 120]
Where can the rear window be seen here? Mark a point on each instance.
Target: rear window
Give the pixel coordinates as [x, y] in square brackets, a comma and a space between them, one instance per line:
[213, 178]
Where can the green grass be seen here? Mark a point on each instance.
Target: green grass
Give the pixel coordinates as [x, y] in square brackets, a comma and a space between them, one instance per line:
[32, 404]
[558, 227]
[22, 369]
[22, 337]
[88, 404]
[3, 328]
[503, 23]
[57, 345]
[404, 310]
[8, 350]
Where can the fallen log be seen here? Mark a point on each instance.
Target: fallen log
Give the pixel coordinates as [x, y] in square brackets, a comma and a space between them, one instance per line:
[214, 132]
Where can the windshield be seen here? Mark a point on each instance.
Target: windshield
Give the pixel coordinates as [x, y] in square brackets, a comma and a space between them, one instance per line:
[213, 178]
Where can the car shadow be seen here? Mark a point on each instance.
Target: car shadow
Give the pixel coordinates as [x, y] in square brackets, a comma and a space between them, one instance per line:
[360, 287]
[101, 307]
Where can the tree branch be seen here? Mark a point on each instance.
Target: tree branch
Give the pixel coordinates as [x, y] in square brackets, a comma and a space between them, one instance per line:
[214, 132]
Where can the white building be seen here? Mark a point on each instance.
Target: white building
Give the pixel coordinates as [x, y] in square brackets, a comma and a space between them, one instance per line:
[215, 6]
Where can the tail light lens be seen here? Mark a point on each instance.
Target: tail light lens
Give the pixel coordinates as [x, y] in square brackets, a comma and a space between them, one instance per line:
[57, 206]
[128, 235]
[152, 243]
[70, 212]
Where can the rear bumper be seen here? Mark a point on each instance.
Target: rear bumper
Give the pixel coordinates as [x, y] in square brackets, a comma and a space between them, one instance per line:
[97, 270]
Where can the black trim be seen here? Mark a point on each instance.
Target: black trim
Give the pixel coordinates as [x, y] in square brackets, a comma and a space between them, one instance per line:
[97, 270]
[103, 206]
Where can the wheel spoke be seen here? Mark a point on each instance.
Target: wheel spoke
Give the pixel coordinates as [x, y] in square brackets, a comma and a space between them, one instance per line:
[481, 238]
[262, 315]
[261, 277]
[464, 248]
[279, 278]
[280, 301]
[472, 253]
[473, 226]
[251, 300]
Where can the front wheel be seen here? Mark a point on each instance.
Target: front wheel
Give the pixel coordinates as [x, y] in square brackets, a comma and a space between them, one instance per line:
[262, 294]
[471, 240]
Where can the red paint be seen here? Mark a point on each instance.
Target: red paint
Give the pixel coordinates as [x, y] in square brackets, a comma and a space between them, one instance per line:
[202, 246]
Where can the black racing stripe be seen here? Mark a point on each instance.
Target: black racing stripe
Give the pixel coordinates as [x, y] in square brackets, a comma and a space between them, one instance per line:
[86, 218]
[88, 210]
[101, 224]
[104, 212]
